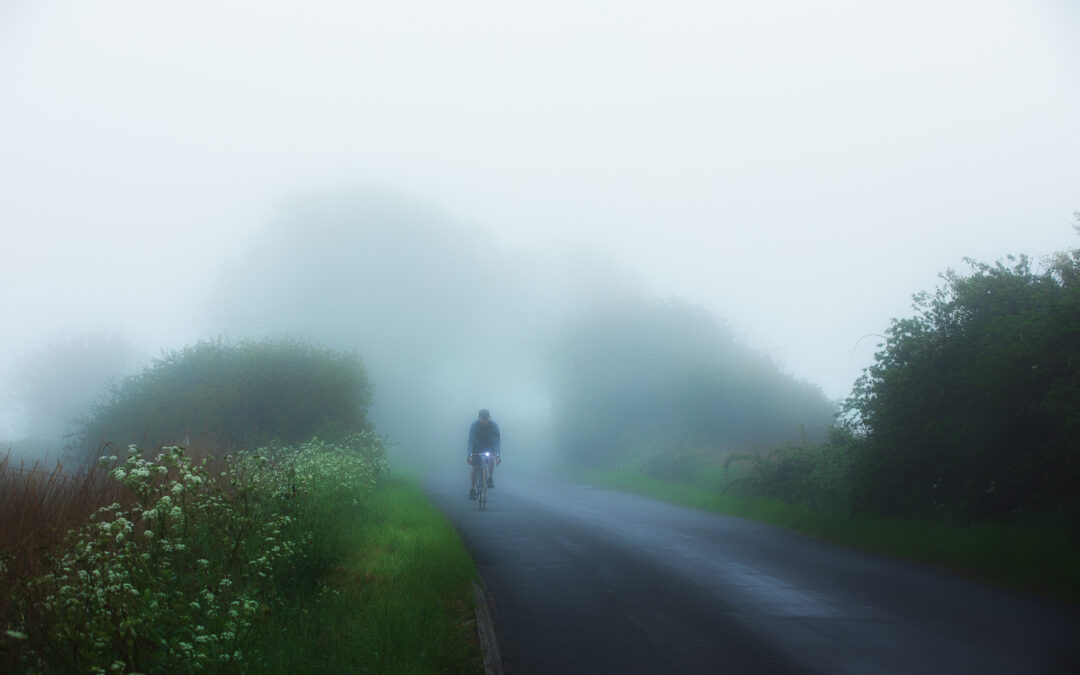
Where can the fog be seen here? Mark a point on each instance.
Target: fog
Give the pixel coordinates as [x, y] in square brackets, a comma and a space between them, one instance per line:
[447, 320]
[437, 185]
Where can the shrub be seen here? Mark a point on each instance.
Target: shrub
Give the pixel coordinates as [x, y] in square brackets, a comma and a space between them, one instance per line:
[242, 394]
[811, 475]
[174, 576]
[972, 405]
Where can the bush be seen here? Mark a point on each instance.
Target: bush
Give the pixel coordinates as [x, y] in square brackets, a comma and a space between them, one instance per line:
[241, 394]
[973, 405]
[810, 475]
[174, 576]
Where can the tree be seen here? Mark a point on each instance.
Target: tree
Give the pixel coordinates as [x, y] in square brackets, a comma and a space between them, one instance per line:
[642, 376]
[973, 404]
[236, 394]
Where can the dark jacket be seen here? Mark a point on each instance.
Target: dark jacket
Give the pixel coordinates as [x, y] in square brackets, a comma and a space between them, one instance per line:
[484, 437]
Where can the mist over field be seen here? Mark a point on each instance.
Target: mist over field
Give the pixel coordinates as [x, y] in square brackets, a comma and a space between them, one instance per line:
[448, 189]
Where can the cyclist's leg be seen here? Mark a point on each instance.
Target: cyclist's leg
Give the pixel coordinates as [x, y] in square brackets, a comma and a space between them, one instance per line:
[491, 472]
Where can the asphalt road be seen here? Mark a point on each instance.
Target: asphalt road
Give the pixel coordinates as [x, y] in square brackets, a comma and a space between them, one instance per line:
[582, 580]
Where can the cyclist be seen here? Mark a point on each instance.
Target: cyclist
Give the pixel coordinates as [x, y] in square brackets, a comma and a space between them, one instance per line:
[483, 437]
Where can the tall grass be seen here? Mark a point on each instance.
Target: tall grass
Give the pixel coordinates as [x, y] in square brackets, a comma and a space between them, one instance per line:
[1041, 556]
[397, 600]
[39, 504]
[177, 573]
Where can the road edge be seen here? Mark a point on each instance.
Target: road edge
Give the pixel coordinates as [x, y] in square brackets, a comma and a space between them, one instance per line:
[485, 628]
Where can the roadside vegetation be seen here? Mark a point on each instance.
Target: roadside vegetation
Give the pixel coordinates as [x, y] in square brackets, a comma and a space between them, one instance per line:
[289, 556]
[230, 394]
[959, 446]
[1036, 555]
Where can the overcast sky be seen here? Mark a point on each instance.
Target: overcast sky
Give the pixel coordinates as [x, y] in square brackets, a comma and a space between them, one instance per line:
[799, 167]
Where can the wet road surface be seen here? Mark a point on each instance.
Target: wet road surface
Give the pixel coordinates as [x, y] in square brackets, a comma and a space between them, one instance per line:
[583, 580]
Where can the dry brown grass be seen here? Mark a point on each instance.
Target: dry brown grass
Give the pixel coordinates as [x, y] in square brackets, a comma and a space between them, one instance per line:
[39, 505]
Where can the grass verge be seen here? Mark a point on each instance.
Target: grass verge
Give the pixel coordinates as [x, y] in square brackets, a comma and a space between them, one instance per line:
[397, 598]
[1043, 558]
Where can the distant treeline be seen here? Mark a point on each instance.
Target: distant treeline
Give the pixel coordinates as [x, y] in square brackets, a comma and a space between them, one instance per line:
[640, 379]
[971, 408]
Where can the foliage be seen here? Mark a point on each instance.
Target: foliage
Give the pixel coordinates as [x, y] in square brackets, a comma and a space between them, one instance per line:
[397, 599]
[176, 575]
[973, 404]
[241, 394]
[817, 476]
[643, 377]
[39, 504]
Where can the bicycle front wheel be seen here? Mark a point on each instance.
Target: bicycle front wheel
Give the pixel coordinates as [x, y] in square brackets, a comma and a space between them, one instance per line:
[482, 501]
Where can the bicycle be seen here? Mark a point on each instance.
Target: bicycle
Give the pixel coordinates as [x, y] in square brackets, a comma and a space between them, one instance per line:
[481, 495]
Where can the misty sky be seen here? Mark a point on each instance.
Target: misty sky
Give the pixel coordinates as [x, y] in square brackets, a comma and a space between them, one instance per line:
[799, 167]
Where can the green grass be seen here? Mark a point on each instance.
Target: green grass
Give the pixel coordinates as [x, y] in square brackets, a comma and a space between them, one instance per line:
[398, 598]
[1040, 557]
